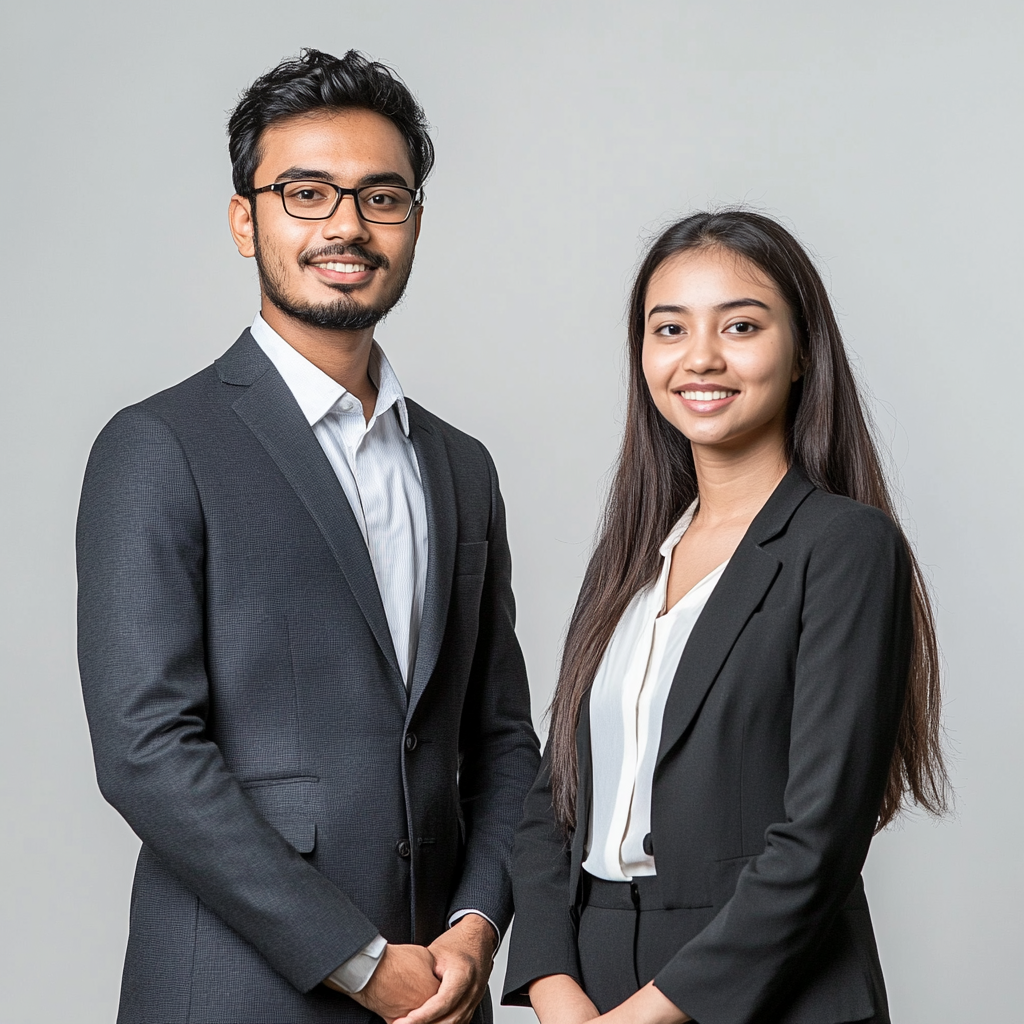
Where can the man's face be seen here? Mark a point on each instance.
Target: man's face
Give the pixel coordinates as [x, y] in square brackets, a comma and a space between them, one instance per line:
[342, 273]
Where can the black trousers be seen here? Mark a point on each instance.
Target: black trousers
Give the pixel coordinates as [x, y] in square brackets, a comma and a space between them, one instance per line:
[626, 936]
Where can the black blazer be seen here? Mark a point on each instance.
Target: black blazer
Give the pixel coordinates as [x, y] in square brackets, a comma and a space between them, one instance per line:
[248, 716]
[776, 744]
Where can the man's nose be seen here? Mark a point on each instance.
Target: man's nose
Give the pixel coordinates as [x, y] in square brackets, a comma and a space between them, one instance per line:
[345, 223]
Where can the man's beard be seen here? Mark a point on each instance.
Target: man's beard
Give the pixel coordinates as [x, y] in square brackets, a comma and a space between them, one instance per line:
[345, 313]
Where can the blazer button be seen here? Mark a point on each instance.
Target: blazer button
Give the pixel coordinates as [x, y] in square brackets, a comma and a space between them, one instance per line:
[403, 848]
[410, 741]
[648, 845]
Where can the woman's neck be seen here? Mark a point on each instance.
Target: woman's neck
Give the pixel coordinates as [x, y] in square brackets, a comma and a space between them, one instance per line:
[735, 483]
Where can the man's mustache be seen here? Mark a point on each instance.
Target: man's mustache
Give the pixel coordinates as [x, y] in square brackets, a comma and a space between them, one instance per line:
[353, 252]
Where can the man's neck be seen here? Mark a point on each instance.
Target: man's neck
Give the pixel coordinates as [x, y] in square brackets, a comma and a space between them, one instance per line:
[343, 355]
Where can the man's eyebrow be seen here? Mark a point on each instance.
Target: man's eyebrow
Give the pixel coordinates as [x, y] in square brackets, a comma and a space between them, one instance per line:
[721, 308]
[303, 172]
[384, 178]
[380, 178]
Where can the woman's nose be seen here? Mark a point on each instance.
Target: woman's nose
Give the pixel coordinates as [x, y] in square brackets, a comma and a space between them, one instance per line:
[704, 353]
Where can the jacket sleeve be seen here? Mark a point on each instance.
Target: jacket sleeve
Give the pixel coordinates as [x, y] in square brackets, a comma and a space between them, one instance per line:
[499, 747]
[141, 555]
[544, 931]
[850, 679]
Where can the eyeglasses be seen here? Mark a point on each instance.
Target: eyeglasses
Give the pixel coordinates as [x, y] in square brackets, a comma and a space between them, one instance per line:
[317, 200]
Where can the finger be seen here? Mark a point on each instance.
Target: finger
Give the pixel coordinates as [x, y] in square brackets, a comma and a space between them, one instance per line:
[437, 1006]
[460, 1014]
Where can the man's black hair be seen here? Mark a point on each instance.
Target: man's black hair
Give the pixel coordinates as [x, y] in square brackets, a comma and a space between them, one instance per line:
[318, 81]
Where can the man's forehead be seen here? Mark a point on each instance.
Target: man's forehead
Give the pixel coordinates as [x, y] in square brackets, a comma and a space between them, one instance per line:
[346, 143]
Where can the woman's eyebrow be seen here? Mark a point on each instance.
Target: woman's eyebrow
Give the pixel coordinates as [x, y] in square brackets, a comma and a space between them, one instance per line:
[721, 308]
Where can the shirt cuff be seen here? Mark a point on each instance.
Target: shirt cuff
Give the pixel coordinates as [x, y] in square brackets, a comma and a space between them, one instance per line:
[459, 914]
[354, 974]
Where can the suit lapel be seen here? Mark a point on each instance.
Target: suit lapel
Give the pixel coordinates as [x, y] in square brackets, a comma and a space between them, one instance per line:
[749, 574]
[442, 535]
[270, 411]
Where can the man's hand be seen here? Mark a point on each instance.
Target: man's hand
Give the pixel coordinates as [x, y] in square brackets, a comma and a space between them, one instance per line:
[463, 957]
[404, 979]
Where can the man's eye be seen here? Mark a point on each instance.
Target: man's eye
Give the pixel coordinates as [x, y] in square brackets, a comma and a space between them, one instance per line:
[381, 199]
[307, 194]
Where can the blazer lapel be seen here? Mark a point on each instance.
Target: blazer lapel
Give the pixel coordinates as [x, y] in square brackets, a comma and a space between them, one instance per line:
[270, 411]
[751, 571]
[442, 534]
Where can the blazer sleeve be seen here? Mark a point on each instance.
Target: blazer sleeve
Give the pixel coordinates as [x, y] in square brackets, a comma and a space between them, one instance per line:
[140, 546]
[544, 931]
[498, 745]
[850, 679]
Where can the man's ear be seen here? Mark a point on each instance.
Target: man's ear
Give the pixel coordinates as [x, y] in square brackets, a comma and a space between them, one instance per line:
[419, 219]
[243, 227]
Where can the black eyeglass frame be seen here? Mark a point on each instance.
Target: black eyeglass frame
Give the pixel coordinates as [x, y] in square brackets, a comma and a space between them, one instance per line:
[416, 194]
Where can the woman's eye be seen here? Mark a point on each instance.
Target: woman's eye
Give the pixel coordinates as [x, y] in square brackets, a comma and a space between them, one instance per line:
[668, 330]
[742, 328]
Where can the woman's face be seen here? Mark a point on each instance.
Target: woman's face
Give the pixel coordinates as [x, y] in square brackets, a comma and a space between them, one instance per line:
[719, 354]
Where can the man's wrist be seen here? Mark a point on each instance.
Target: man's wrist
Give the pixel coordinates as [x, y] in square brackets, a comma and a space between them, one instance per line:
[355, 973]
[492, 928]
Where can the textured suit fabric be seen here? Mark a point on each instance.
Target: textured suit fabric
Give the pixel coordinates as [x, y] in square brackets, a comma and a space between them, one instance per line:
[775, 749]
[248, 716]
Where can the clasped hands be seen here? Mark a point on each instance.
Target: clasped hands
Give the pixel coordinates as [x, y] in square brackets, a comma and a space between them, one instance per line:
[442, 983]
[558, 999]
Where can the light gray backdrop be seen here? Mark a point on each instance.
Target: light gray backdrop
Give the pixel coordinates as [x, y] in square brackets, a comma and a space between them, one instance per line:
[887, 135]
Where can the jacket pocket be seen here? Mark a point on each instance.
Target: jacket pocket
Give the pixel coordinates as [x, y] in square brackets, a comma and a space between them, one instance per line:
[287, 805]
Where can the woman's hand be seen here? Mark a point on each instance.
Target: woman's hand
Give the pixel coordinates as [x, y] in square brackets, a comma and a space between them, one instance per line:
[648, 1006]
[558, 999]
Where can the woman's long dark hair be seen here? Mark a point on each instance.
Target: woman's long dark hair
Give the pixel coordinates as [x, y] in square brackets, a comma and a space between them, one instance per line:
[655, 481]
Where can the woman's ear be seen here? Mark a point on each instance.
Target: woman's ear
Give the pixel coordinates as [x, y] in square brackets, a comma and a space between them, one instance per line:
[801, 362]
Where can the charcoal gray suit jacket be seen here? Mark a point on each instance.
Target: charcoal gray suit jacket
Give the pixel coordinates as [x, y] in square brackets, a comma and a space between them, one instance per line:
[248, 715]
[776, 744]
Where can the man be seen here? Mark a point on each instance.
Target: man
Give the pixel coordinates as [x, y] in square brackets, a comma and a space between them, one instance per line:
[296, 624]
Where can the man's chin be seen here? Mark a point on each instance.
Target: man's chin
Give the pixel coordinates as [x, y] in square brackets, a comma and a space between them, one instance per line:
[333, 316]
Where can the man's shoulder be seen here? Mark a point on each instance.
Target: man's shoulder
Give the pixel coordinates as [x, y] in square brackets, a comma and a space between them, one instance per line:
[206, 391]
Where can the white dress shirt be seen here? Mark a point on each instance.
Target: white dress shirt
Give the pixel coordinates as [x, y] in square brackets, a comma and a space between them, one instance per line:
[376, 466]
[627, 703]
[375, 463]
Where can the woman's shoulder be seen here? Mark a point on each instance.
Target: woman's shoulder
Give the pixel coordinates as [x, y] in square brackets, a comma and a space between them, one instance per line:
[825, 518]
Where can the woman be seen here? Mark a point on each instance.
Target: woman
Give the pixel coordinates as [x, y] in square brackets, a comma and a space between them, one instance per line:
[749, 687]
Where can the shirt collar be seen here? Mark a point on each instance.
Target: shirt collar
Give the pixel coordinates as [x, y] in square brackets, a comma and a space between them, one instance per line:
[316, 393]
[677, 531]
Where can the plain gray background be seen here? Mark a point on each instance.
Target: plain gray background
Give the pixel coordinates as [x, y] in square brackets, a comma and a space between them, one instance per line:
[887, 135]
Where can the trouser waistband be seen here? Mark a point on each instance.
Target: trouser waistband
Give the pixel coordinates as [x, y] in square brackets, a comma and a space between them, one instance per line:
[643, 893]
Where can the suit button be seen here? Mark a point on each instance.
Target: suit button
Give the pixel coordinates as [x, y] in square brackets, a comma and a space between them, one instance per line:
[410, 741]
[403, 848]
[648, 845]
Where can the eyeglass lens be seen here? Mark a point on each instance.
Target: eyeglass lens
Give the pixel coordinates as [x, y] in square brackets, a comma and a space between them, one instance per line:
[383, 204]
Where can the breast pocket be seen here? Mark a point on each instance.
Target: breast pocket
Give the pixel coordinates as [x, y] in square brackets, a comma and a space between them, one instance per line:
[471, 558]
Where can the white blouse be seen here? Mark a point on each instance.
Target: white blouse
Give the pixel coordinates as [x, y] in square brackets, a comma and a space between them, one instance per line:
[627, 702]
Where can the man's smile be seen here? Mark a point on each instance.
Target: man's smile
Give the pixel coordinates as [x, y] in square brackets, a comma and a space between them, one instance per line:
[338, 272]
